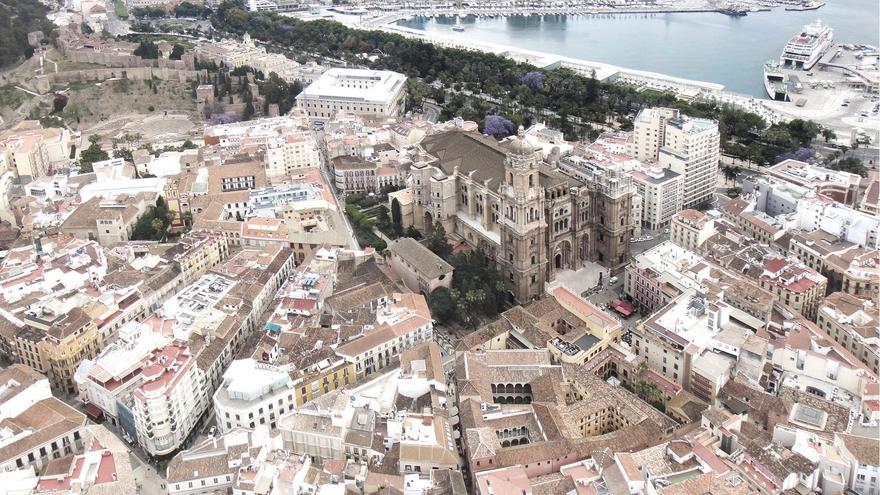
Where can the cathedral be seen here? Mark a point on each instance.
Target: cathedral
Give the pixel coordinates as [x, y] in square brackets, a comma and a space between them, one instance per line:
[531, 217]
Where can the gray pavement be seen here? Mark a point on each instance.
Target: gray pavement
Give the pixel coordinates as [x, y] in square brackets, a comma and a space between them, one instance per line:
[149, 482]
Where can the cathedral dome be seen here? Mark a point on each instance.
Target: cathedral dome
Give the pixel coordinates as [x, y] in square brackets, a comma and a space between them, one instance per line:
[519, 145]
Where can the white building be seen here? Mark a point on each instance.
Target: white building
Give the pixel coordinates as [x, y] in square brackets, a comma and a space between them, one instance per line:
[691, 228]
[401, 323]
[861, 454]
[170, 400]
[36, 427]
[291, 152]
[849, 224]
[661, 190]
[253, 394]
[114, 373]
[355, 91]
[50, 188]
[241, 462]
[20, 388]
[688, 146]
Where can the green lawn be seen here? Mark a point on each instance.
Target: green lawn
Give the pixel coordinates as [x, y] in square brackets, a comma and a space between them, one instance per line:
[12, 98]
[121, 11]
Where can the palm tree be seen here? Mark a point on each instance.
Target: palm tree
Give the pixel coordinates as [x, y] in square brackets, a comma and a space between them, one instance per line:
[828, 134]
[730, 172]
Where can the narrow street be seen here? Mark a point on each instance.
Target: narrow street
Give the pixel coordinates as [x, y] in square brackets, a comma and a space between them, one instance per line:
[340, 201]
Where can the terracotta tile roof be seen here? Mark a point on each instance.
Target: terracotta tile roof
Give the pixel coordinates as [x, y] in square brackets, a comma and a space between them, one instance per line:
[39, 424]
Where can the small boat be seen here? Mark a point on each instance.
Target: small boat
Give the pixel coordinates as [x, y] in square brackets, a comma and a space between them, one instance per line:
[458, 28]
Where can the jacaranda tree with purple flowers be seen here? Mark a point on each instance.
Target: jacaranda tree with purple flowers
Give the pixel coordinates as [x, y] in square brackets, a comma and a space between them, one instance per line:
[497, 126]
[533, 79]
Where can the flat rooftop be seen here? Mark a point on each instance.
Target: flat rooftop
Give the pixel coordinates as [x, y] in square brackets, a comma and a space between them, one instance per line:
[355, 85]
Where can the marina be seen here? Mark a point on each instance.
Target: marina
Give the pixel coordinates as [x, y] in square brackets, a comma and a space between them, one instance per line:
[595, 41]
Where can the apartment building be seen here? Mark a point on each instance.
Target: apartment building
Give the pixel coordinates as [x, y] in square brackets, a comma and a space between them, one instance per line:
[170, 398]
[252, 394]
[56, 344]
[794, 284]
[662, 192]
[30, 151]
[354, 175]
[853, 323]
[402, 321]
[109, 378]
[661, 274]
[860, 453]
[849, 267]
[687, 146]
[291, 152]
[689, 229]
[38, 428]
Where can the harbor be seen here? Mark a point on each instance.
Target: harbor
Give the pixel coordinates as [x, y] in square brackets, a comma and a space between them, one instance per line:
[514, 33]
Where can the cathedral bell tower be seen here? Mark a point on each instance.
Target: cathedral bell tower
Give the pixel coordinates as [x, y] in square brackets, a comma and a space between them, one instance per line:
[523, 257]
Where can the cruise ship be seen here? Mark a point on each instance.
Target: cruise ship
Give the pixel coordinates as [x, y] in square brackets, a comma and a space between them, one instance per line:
[807, 47]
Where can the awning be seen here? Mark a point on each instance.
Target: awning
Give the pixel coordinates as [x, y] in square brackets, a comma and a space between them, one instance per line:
[622, 307]
[94, 412]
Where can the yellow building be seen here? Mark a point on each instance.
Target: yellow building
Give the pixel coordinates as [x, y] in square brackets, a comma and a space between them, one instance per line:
[324, 378]
[56, 346]
[198, 252]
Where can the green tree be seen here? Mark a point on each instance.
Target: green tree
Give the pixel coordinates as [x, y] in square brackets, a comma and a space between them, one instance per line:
[248, 111]
[177, 52]
[147, 50]
[730, 172]
[154, 223]
[383, 221]
[396, 217]
[188, 9]
[804, 131]
[828, 134]
[21, 17]
[90, 155]
[437, 243]
[850, 164]
[413, 232]
[442, 305]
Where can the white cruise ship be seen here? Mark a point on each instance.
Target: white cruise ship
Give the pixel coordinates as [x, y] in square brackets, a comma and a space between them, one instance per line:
[808, 46]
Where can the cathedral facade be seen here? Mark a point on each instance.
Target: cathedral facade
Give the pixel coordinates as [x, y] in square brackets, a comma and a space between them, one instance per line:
[528, 215]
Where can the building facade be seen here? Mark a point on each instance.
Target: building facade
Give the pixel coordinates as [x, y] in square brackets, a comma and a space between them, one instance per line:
[687, 146]
[169, 400]
[420, 270]
[662, 195]
[689, 229]
[852, 322]
[354, 91]
[532, 218]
